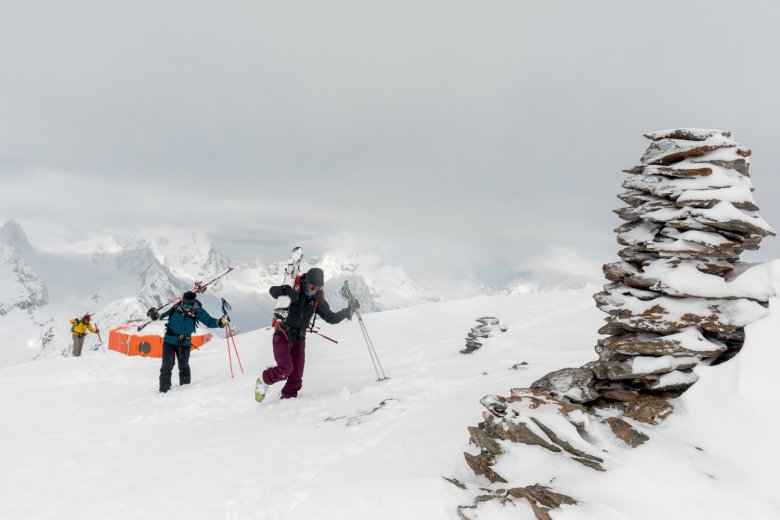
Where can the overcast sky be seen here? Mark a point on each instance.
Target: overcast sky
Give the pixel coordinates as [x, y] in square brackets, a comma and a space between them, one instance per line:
[461, 139]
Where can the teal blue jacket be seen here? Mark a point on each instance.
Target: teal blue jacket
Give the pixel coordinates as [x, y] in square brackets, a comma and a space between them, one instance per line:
[181, 324]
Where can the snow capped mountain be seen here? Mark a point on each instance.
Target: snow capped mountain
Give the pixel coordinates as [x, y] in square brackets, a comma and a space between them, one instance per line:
[12, 234]
[190, 256]
[377, 285]
[157, 284]
[119, 278]
[21, 286]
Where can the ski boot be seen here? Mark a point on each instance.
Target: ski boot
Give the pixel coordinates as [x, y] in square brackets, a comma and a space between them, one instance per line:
[261, 388]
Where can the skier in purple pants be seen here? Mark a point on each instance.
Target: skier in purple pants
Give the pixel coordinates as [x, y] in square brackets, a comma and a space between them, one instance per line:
[289, 340]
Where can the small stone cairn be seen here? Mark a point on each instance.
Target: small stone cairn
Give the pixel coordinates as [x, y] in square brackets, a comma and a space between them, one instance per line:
[670, 305]
[488, 327]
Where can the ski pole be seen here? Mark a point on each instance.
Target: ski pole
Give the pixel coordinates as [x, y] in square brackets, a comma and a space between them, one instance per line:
[371, 350]
[230, 359]
[100, 340]
[347, 293]
[230, 337]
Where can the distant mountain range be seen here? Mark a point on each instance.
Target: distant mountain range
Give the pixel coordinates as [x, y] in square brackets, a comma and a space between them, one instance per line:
[118, 278]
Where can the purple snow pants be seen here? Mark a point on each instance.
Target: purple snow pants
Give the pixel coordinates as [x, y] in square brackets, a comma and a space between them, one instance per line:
[289, 365]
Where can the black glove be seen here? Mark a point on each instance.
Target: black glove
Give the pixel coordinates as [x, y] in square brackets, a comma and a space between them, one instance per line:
[224, 320]
[153, 314]
[289, 291]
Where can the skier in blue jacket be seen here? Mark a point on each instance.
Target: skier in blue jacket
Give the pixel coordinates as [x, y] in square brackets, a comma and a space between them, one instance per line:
[182, 321]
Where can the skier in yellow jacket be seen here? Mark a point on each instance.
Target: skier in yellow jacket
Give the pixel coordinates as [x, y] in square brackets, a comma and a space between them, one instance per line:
[79, 330]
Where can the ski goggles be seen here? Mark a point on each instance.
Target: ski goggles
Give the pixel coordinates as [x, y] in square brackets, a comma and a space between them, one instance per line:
[187, 306]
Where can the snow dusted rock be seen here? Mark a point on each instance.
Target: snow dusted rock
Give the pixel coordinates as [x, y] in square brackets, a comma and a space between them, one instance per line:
[532, 416]
[650, 409]
[576, 384]
[638, 367]
[691, 214]
[488, 327]
[541, 499]
[678, 297]
[625, 432]
[687, 342]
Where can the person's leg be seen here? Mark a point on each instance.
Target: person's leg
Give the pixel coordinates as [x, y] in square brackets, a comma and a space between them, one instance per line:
[78, 343]
[284, 364]
[295, 379]
[184, 364]
[168, 361]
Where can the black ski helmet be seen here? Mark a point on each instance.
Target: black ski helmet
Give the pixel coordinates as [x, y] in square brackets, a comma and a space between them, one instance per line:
[315, 276]
[188, 298]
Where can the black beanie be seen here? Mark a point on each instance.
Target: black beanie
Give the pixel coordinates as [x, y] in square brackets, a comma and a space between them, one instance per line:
[315, 276]
[189, 298]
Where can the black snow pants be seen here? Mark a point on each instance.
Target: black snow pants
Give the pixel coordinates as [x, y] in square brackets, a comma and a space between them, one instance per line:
[170, 353]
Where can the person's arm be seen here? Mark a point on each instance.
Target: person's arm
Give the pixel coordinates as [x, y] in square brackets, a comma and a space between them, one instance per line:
[206, 319]
[324, 312]
[283, 290]
[90, 328]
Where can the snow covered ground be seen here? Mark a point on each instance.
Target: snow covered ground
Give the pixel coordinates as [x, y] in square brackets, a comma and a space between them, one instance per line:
[91, 437]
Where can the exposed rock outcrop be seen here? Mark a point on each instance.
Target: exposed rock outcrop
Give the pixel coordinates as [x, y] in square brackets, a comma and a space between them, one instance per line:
[673, 301]
[488, 327]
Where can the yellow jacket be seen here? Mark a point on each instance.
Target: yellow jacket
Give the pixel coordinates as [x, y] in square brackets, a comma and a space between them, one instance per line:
[80, 328]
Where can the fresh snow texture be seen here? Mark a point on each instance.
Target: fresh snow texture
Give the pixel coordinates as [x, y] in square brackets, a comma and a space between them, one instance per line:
[95, 434]
[91, 438]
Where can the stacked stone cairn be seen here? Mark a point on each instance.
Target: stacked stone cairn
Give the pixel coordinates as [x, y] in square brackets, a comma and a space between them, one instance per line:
[673, 301]
[488, 326]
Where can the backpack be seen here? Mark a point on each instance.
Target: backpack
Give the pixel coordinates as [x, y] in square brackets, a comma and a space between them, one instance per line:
[191, 315]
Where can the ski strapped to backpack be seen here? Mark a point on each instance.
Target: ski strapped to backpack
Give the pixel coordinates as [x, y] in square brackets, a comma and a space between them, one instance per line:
[279, 324]
[347, 294]
[200, 287]
[292, 273]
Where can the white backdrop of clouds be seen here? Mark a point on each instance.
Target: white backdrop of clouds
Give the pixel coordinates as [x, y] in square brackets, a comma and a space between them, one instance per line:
[461, 139]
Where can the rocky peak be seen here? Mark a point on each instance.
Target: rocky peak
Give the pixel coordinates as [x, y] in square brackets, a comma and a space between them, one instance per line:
[12, 234]
[22, 287]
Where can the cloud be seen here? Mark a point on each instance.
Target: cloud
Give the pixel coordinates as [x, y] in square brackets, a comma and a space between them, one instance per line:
[450, 137]
[562, 266]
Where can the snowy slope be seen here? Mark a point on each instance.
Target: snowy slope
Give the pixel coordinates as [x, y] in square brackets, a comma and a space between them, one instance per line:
[95, 434]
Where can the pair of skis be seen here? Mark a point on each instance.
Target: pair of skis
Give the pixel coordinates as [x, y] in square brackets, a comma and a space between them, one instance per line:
[199, 288]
